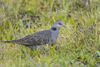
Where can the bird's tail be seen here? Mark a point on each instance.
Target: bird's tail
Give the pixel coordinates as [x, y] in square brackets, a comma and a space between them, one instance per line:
[6, 41]
[12, 41]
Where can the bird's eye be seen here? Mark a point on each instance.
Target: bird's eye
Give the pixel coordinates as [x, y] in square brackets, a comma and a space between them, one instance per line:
[60, 23]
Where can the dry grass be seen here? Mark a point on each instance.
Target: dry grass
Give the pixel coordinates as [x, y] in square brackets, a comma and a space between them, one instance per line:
[77, 46]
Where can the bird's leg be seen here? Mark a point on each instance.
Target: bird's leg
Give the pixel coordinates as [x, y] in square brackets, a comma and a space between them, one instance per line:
[52, 44]
[32, 47]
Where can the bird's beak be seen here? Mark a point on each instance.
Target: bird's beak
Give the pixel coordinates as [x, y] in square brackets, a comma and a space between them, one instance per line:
[64, 26]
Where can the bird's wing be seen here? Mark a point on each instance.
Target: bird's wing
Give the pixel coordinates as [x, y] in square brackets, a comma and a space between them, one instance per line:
[42, 37]
[38, 38]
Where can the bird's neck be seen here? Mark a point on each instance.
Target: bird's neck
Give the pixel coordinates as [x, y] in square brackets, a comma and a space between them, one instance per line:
[55, 29]
[54, 33]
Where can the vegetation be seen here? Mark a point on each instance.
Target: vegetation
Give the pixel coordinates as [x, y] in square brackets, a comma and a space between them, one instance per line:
[77, 46]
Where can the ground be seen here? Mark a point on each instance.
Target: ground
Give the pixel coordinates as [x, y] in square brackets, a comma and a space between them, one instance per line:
[77, 46]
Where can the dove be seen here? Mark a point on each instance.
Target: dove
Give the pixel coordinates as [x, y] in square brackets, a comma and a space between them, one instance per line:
[40, 38]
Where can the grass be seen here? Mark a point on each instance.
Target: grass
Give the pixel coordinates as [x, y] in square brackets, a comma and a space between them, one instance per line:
[77, 46]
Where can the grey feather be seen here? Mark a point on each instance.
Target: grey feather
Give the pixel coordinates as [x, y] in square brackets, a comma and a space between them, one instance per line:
[41, 37]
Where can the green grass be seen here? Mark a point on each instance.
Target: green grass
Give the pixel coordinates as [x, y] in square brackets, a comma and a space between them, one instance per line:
[77, 46]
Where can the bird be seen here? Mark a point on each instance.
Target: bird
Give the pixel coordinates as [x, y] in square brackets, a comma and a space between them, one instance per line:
[48, 36]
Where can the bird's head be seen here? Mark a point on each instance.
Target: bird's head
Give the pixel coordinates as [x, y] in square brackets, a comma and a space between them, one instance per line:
[58, 25]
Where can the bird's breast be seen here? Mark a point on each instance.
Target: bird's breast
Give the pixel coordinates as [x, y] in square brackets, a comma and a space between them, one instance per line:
[54, 36]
